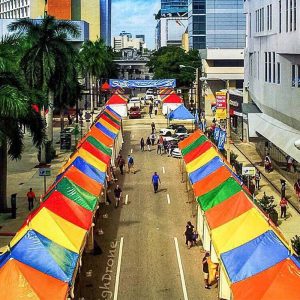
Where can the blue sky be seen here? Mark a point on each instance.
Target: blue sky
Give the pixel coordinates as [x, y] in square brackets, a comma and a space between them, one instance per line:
[135, 16]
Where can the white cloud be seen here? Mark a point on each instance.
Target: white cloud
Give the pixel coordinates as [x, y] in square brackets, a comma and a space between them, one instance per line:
[136, 17]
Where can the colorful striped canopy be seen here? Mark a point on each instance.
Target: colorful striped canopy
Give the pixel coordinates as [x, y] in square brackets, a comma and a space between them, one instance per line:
[42, 258]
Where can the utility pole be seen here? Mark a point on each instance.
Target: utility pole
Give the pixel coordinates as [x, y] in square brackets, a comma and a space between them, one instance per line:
[228, 121]
[197, 91]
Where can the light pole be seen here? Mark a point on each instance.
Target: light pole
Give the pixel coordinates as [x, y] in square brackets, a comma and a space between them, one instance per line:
[197, 85]
[227, 114]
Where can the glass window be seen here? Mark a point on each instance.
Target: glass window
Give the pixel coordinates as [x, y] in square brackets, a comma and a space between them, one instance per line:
[271, 17]
[270, 66]
[287, 16]
[291, 15]
[295, 14]
[278, 72]
[298, 81]
[279, 7]
[266, 66]
[293, 75]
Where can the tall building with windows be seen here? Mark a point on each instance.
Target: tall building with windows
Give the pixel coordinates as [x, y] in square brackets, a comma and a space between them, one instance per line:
[11, 9]
[105, 19]
[272, 74]
[217, 29]
[174, 6]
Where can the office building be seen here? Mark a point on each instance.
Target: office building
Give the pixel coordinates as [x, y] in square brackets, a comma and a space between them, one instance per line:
[174, 6]
[272, 76]
[217, 29]
[11, 9]
[141, 36]
[105, 20]
[125, 41]
[61, 9]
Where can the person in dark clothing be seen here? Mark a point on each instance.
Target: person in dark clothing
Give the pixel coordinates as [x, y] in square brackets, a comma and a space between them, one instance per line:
[205, 269]
[155, 181]
[283, 205]
[189, 234]
[70, 120]
[153, 138]
[283, 187]
[121, 164]
[118, 194]
[150, 109]
[152, 127]
[148, 143]
[142, 143]
[30, 198]
[257, 177]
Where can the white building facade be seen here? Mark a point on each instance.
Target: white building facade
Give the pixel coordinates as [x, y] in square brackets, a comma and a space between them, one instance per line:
[125, 41]
[272, 72]
[16, 9]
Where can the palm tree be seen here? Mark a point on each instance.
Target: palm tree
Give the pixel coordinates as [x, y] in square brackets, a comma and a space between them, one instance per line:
[40, 63]
[96, 61]
[15, 112]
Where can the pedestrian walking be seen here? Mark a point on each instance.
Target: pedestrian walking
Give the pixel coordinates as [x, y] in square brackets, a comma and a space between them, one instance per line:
[268, 163]
[121, 164]
[153, 138]
[297, 188]
[283, 187]
[290, 164]
[30, 198]
[155, 181]
[189, 234]
[130, 163]
[155, 110]
[283, 206]
[142, 143]
[150, 109]
[257, 177]
[169, 148]
[205, 269]
[152, 127]
[148, 143]
[118, 194]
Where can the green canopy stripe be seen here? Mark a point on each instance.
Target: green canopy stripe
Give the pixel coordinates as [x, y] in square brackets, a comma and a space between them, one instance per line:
[194, 145]
[99, 145]
[221, 193]
[77, 194]
[112, 118]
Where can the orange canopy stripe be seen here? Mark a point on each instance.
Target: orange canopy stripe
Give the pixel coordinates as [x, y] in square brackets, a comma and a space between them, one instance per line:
[228, 210]
[212, 181]
[19, 281]
[198, 133]
[279, 282]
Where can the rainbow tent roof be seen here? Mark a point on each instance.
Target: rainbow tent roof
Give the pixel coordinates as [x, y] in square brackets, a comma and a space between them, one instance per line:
[116, 99]
[173, 98]
[42, 258]
[254, 255]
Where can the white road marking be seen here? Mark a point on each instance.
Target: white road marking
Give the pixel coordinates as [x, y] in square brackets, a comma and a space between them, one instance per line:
[169, 200]
[131, 150]
[163, 168]
[118, 270]
[126, 199]
[185, 296]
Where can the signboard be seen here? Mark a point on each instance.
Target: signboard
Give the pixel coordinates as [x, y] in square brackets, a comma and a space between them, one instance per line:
[65, 140]
[120, 83]
[222, 139]
[221, 113]
[221, 100]
[44, 172]
[248, 171]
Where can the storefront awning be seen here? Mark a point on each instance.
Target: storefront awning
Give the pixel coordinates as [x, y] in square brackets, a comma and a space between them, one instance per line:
[280, 134]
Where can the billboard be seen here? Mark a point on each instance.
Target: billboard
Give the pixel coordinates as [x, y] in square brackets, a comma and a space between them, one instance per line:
[159, 83]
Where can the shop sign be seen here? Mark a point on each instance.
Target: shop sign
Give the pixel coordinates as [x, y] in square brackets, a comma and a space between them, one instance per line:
[248, 171]
[221, 99]
[221, 113]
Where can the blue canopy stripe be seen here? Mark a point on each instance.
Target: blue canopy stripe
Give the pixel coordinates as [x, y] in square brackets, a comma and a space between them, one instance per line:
[180, 113]
[106, 131]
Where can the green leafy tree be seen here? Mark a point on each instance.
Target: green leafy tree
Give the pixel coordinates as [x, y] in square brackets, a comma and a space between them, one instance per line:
[296, 244]
[49, 47]
[15, 111]
[97, 63]
[165, 63]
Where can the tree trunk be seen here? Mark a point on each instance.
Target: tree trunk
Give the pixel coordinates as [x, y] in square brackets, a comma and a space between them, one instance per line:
[50, 116]
[3, 177]
[62, 119]
[91, 92]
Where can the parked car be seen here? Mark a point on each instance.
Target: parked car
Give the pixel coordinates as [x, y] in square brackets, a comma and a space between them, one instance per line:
[170, 130]
[135, 113]
[176, 153]
[135, 101]
[149, 92]
[181, 131]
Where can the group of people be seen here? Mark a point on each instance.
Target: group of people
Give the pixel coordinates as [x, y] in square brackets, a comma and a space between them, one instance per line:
[151, 107]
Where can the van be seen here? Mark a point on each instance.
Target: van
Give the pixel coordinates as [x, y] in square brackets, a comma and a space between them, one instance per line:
[134, 102]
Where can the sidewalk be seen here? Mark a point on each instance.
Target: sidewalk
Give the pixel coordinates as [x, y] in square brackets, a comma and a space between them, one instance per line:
[22, 175]
[270, 184]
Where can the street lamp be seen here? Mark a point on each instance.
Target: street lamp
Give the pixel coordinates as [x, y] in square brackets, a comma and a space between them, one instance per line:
[197, 82]
[227, 113]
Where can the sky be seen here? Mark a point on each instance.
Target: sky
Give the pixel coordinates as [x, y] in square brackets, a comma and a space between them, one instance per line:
[136, 17]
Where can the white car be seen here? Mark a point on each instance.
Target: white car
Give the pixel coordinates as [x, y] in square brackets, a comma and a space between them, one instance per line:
[167, 131]
[176, 153]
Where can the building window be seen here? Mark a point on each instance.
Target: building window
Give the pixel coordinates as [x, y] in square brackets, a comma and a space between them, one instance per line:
[293, 75]
[266, 66]
[251, 63]
[262, 19]
[274, 71]
[250, 25]
[258, 64]
[270, 66]
[279, 7]
[287, 16]
[291, 15]
[268, 17]
[298, 81]
[271, 17]
[295, 14]
[278, 72]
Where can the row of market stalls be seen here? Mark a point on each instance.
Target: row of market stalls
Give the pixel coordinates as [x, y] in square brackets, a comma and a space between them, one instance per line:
[43, 258]
[255, 260]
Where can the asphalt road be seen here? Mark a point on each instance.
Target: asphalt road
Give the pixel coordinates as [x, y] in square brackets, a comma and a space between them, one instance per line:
[142, 251]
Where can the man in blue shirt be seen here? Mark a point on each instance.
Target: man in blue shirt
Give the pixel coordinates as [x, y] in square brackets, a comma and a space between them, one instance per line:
[155, 181]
